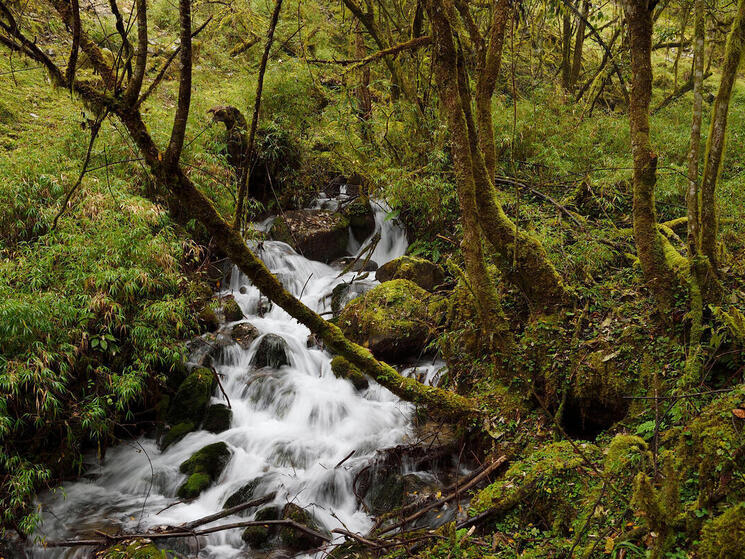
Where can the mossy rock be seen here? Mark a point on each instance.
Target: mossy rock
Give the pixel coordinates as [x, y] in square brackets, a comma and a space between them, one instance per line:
[316, 234]
[190, 401]
[259, 537]
[176, 433]
[361, 218]
[424, 273]
[293, 539]
[244, 334]
[230, 309]
[272, 352]
[138, 549]
[344, 369]
[208, 319]
[207, 348]
[723, 537]
[394, 320]
[217, 418]
[203, 468]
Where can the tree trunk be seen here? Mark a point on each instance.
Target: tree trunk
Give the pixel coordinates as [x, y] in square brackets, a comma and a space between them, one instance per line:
[657, 272]
[364, 98]
[715, 142]
[579, 42]
[566, 51]
[697, 72]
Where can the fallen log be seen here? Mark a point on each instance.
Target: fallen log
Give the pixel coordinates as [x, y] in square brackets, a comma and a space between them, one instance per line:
[227, 512]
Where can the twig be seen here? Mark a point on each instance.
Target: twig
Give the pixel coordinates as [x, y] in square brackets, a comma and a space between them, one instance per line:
[347, 457]
[219, 383]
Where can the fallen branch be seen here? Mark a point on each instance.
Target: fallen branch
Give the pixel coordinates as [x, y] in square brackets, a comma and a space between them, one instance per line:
[227, 512]
[395, 49]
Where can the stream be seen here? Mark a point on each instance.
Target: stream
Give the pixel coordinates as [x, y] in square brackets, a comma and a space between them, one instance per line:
[291, 427]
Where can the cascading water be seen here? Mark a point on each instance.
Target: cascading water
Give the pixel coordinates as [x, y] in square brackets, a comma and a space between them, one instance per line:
[290, 427]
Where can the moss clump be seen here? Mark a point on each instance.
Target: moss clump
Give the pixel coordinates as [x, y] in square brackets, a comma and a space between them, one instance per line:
[217, 418]
[176, 433]
[190, 401]
[293, 539]
[259, 537]
[723, 537]
[392, 320]
[208, 319]
[203, 468]
[626, 454]
[138, 549]
[344, 369]
[424, 273]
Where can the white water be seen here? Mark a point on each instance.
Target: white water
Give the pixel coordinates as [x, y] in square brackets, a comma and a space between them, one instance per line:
[290, 427]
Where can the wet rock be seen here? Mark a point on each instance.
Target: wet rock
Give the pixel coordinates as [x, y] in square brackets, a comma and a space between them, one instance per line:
[203, 468]
[190, 401]
[230, 309]
[394, 320]
[208, 320]
[176, 433]
[358, 265]
[205, 350]
[343, 293]
[272, 352]
[295, 540]
[316, 234]
[217, 418]
[243, 495]
[390, 490]
[361, 218]
[424, 273]
[259, 537]
[350, 186]
[244, 334]
[343, 369]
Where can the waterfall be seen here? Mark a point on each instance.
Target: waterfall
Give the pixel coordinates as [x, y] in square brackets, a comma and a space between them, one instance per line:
[290, 427]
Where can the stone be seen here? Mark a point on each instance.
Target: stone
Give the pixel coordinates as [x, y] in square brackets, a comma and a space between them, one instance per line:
[176, 433]
[361, 218]
[203, 468]
[217, 418]
[230, 309]
[258, 537]
[357, 265]
[394, 320]
[293, 539]
[242, 495]
[244, 334]
[424, 273]
[316, 234]
[190, 401]
[272, 352]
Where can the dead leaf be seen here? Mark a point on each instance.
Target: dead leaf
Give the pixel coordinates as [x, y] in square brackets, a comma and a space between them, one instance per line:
[739, 413]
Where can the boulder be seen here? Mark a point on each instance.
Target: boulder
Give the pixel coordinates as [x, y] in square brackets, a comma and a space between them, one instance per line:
[258, 537]
[393, 320]
[357, 265]
[217, 418]
[316, 234]
[242, 495]
[361, 218]
[230, 309]
[203, 468]
[293, 539]
[206, 349]
[390, 490]
[424, 273]
[244, 334]
[343, 293]
[208, 320]
[272, 352]
[191, 399]
[176, 433]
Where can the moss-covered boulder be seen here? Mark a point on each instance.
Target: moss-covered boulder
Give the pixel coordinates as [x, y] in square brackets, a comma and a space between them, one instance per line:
[424, 273]
[316, 234]
[244, 334]
[190, 401]
[361, 218]
[208, 319]
[294, 539]
[217, 418]
[344, 369]
[244, 494]
[176, 433]
[230, 309]
[723, 537]
[395, 320]
[203, 468]
[259, 537]
[272, 352]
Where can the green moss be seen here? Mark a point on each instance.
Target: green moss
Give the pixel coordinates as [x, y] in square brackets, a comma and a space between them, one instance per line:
[208, 319]
[723, 537]
[296, 540]
[343, 369]
[139, 549]
[424, 273]
[203, 468]
[190, 401]
[176, 433]
[259, 537]
[230, 309]
[217, 418]
[626, 453]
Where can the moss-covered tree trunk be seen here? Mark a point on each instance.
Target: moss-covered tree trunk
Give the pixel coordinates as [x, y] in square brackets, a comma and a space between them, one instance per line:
[579, 43]
[715, 144]
[657, 272]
